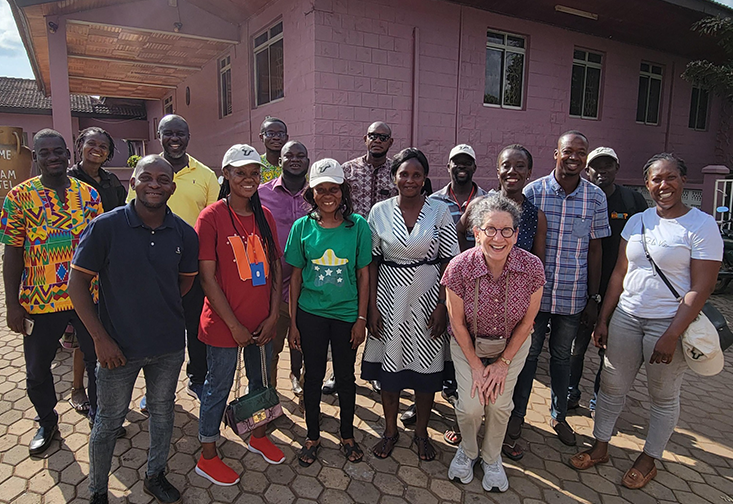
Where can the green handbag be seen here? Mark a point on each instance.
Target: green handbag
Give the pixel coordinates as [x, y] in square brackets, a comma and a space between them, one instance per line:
[255, 408]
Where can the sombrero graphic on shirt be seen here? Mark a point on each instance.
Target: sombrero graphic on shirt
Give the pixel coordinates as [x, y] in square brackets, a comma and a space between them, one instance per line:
[329, 268]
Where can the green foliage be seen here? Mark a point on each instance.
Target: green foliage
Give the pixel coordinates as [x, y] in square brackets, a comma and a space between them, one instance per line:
[718, 78]
[132, 160]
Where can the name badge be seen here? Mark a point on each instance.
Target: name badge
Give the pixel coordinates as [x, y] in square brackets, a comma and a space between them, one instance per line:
[258, 273]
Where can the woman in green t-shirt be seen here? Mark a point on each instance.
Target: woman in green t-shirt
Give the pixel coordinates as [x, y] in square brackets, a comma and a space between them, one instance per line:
[330, 251]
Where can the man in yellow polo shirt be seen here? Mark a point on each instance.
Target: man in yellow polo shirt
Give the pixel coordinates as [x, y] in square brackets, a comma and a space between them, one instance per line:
[196, 188]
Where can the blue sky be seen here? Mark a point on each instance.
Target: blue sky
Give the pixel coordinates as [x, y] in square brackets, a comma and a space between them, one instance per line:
[13, 60]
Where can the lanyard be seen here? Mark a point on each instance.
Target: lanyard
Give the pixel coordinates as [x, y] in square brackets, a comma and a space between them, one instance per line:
[232, 216]
[473, 191]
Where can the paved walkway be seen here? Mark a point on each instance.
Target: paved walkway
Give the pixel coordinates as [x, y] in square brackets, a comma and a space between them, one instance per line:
[697, 466]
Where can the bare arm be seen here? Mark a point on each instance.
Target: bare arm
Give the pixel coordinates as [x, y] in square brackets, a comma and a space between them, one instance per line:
[108, 352]
[358, 331]
[595, 255]
[461, 227]
[12, 273]
[703, 275]
[613, 293]
[266, 330]
[540, 238]
[185, 282]
[296, 281]
[375, 318]
[218, 301]
[437, 323]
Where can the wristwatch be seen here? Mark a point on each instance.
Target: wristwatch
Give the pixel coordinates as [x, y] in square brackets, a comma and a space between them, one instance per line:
[505, 360]
[596, 298]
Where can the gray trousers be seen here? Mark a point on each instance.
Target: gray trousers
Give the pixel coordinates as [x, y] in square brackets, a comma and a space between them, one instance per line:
[631, 343]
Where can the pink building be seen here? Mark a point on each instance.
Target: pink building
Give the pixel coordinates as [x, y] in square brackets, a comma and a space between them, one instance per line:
[439, 72]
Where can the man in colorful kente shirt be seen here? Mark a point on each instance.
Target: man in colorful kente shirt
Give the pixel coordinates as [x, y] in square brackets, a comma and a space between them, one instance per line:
[42, 220]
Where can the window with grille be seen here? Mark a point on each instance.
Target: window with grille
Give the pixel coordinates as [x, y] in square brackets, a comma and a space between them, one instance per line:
[650, 93]
[505, 56]
[699, 109]
[168, 105]
[225, 86]
[268, 59]
[585, 85]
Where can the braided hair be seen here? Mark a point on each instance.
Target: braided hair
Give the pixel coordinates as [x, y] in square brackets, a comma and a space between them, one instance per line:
[665, 156]
[93, 130]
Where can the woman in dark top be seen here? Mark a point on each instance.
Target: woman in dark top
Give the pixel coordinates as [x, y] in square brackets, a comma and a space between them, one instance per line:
[94, 147]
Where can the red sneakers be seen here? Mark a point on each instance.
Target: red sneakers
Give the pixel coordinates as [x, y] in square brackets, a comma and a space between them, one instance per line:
[271, 453]
[216, 471]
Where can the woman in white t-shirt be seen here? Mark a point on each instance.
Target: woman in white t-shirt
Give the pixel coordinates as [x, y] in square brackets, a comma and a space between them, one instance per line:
[647, 322]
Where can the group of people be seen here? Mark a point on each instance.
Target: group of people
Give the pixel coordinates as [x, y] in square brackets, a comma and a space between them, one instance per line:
[452, 291]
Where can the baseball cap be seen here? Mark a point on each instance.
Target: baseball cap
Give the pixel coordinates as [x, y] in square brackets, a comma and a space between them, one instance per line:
[602, 151]
[701, 347]
[325, 170]
[462, 149]
[240, 155]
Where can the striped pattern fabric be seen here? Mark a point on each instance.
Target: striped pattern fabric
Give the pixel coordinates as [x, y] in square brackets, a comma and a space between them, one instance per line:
[572, 221]
[35, 218]
[407, 295]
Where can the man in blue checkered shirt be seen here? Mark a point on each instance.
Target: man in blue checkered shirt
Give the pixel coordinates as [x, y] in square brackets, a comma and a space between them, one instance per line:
[577, 219]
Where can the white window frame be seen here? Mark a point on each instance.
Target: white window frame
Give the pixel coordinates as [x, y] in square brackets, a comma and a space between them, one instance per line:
[265, 46]
[697, 109]
[651, 76]
[588, 64]
[224, 66]
[507, 49]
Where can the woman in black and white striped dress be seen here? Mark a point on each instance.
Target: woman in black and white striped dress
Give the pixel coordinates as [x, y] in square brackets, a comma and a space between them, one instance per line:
[413, 239]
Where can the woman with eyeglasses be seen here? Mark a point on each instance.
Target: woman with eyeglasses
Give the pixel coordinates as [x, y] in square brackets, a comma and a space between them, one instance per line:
[329, 250]
[493, 292]
[413, 238]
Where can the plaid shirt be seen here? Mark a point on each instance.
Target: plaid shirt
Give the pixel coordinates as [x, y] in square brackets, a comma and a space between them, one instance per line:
[572, 221]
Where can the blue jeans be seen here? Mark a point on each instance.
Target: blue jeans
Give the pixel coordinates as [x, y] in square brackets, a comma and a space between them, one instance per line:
[222, 364]
[577, 358]
[564, 329]
[114, 392]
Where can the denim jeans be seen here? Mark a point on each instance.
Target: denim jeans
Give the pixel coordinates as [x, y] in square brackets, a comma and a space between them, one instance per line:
[577, 358]
[631, 343]
[114, 392]
[564, 329]
[222, 364]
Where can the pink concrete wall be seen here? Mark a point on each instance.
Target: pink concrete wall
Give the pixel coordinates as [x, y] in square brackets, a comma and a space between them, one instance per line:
[32, 123]
[364, 72]
[211, 135]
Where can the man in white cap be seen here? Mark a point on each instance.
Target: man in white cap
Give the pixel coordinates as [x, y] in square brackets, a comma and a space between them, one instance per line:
[602, 168]
[462, 189]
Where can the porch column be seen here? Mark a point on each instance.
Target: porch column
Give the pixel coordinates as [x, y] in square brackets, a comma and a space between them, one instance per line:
[710, 175]
[59, 72]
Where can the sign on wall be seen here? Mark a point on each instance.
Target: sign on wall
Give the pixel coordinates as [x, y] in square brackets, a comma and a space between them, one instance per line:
[15, 159]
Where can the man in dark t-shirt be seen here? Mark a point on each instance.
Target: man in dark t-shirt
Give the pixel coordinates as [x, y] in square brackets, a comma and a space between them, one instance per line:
[603, 165]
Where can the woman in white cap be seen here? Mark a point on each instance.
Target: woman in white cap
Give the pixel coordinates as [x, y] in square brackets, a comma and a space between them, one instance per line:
[240, 270]
[330, 251]
[648, 320]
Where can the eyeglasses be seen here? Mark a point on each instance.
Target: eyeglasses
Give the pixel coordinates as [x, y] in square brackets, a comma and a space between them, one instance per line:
[275, 134]
[506, 232]
[381, 136]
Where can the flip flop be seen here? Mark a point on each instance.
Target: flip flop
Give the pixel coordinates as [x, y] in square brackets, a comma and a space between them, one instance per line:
[452, 437]
[80, 403]
[512, 450]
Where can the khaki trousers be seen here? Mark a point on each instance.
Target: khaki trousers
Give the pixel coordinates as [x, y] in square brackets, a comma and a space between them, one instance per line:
[469, 411]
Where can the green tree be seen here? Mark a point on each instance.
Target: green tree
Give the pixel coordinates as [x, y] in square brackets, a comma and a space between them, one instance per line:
[716, 77]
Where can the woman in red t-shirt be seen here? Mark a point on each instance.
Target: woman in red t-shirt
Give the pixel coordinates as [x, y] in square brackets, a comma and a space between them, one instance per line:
[239, 264]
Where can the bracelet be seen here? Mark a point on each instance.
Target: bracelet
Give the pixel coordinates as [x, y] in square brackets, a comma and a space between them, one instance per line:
[361, 317]
[505, 360]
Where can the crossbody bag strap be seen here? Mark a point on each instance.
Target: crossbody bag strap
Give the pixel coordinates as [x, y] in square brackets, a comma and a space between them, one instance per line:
[238, 375]
[263, 366]
[654, 265]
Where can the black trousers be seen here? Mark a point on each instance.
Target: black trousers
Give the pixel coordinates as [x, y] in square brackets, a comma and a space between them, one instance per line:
[315, 335]
[193, 303]
[40, 349]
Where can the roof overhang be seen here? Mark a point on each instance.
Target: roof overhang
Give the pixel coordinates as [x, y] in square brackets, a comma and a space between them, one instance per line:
[124, 48]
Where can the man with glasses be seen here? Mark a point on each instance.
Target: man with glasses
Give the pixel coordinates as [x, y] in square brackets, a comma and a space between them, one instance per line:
[369, 175]
[274, 134]
[577, 220]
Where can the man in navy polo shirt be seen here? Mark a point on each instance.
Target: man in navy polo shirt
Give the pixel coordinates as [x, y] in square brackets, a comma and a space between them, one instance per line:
[146, 258]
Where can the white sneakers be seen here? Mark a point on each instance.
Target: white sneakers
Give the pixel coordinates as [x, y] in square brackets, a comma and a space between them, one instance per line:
[461, 468]
[494, 477]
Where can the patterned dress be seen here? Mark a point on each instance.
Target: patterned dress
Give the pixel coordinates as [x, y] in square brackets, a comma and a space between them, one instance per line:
[408, 285]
